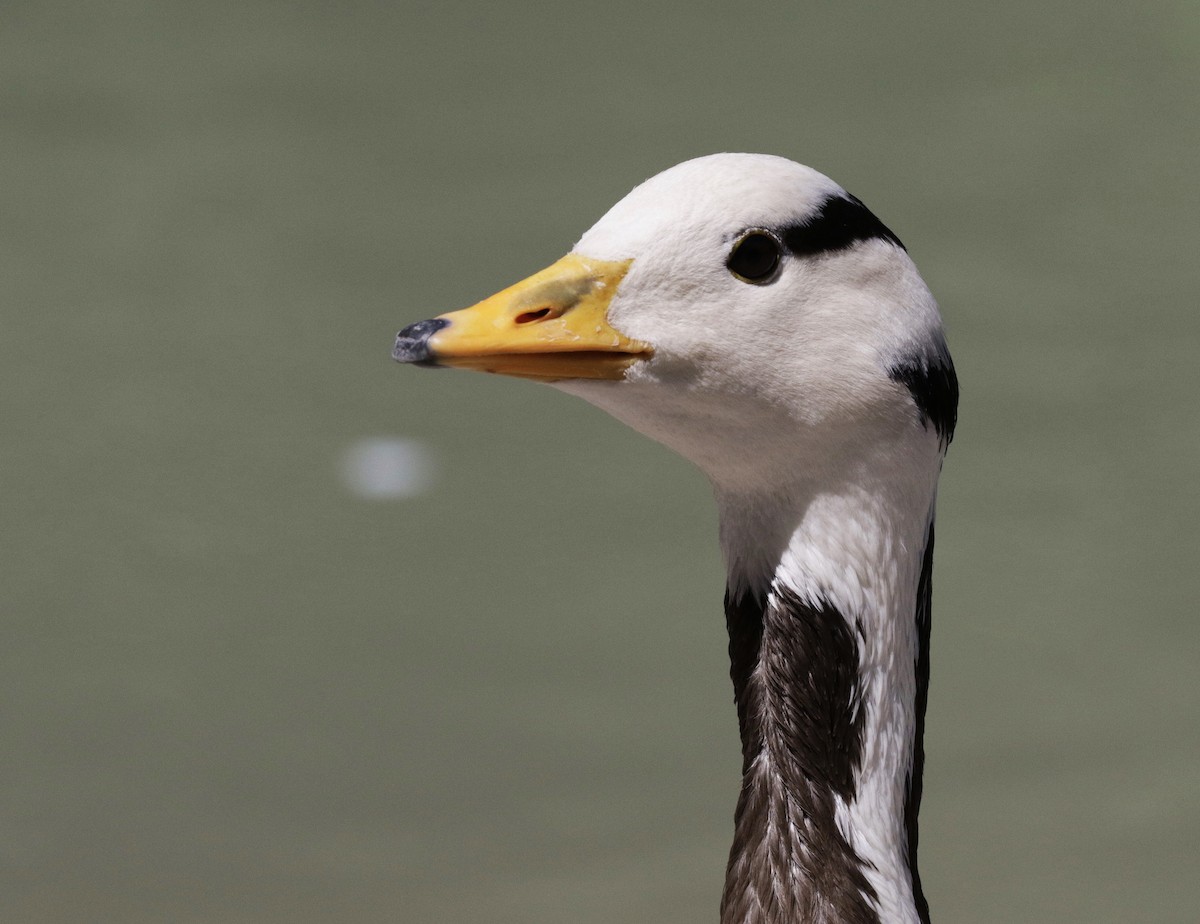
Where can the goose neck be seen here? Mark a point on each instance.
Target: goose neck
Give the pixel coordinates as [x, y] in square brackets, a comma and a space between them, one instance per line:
[827, 613]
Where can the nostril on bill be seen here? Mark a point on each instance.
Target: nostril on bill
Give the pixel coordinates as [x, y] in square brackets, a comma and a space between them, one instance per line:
[527, 317]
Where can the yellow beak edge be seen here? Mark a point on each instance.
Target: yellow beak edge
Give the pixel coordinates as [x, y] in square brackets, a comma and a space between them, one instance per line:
[551, 326]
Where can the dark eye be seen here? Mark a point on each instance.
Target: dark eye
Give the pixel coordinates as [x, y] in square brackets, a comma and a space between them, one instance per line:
[754, 257]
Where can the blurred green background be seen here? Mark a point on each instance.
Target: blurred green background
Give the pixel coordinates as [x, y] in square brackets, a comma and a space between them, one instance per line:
[234, 690]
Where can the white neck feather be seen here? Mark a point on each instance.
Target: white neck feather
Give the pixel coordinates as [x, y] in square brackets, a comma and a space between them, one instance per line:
[856, 543]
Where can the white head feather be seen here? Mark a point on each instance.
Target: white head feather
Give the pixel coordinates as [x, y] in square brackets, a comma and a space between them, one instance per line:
[757, 383]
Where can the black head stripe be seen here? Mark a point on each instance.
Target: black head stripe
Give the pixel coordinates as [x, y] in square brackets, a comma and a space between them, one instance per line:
[934, 387]
[840, 222]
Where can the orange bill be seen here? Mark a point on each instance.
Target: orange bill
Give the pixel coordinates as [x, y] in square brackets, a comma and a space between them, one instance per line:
[552, 326]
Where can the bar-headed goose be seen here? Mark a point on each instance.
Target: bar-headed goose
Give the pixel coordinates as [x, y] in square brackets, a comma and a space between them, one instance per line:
[751, 314]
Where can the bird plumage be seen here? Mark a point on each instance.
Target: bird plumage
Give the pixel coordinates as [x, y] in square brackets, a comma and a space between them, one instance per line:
[752, 315]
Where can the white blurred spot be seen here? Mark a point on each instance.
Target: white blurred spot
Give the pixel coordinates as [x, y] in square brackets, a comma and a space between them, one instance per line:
[383, 468]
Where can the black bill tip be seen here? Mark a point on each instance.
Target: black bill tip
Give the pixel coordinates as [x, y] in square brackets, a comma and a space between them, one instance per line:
[412, 343]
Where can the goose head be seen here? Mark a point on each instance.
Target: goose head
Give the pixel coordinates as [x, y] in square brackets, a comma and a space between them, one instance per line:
[742, 309]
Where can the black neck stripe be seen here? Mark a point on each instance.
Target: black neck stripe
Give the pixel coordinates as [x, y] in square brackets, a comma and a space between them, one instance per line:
[912, 796]
[744, 620]
[840, 222]
[794, 666]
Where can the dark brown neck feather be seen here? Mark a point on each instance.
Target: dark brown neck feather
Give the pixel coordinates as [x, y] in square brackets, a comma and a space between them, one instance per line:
[795, 676]
[794, 665]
